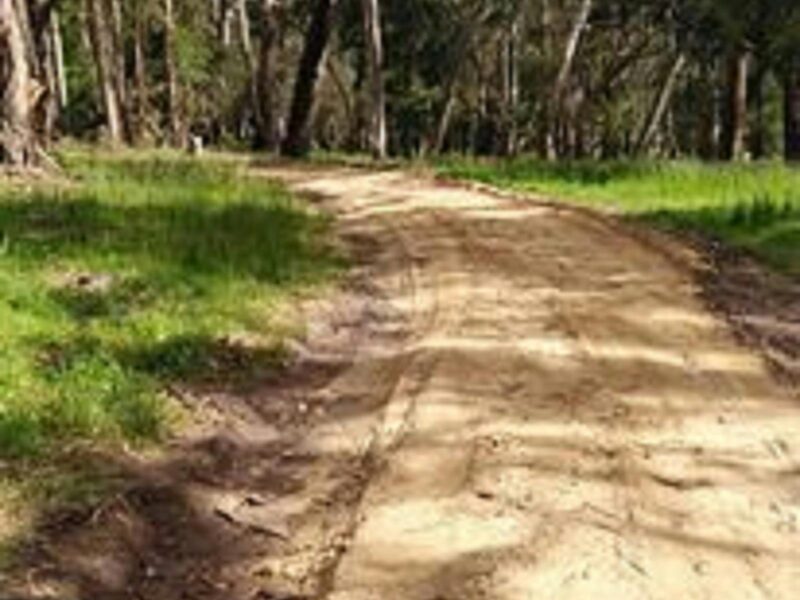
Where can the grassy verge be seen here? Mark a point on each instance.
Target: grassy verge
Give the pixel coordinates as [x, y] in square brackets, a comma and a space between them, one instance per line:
[145, 270]
[755, 206]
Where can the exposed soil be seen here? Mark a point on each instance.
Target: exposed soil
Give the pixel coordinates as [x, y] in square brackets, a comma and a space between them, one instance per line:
[508, 401]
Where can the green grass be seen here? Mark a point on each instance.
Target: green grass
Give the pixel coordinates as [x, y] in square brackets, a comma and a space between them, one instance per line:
[755, 206]
[147, 270]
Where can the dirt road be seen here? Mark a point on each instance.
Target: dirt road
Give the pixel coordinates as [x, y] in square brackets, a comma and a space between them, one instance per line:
[568, 421]
[521, 402]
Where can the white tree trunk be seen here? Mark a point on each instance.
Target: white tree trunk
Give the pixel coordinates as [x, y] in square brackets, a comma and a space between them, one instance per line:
[372, 34]
[659, 109]
[171, 69]
[560, 85]
[103, 47]
[58, 59]
[17, 144]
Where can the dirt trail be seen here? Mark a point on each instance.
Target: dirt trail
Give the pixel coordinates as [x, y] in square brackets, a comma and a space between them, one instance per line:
[517, 402]
[571, 422]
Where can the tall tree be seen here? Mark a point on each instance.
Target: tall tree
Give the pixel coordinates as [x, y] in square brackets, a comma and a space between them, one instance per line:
[660, 104]
[140, 86]
[103, 48]
[17, 142]
[736, 126]
[266, 78]
[297, 142]
[560, 85]
[171, 71]
[374, 42]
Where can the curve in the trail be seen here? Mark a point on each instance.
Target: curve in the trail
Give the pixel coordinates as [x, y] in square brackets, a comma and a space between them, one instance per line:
[568, 421]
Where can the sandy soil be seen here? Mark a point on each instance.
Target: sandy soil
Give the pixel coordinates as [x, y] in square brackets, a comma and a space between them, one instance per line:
[510, 401]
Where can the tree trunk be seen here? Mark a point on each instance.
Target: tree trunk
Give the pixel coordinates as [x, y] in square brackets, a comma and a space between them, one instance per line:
[224, 15]
[659, 108]
[171, 70]
[736, 113]
[246, 46]
[266, 78]
[102, 45]
[51, 57]
[443, 127]
[791, 111]
[17, 143]
[297, 142]
[348, 103]
[62, 91]
[23, 10]
[374, 39]
[560, 85]
[141, 95]
[510, 88]
[118, 62]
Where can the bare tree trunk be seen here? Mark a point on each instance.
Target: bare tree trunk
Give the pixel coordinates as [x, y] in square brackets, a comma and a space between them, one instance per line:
[265, 78]
[141, 95]
[791, 111]
[17, 142]
[23, 8]
[736, 125]
[444, 120]
[374, 38]
[49, 52]
[102, 46]
[659, 108]
[223, 13]
[118, 61]
[171, 69]
[58, 60]
[560, 85]
[246, 46]
[512, 88]
[346, 96]
[297, 142]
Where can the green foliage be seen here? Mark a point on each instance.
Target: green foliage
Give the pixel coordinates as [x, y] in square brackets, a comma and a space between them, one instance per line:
[755, 206]
[146, 272]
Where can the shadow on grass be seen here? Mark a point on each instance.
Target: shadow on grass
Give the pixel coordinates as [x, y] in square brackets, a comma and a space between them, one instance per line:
[203, 359]
[118, 296]
[274, 243]
[765, 227]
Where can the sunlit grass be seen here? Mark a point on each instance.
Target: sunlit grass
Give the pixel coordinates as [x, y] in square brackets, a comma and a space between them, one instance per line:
[147, 269]
[752, 206]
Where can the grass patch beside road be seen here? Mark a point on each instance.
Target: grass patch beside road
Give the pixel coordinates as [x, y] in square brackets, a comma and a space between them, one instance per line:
[754, 206]
[142, 271]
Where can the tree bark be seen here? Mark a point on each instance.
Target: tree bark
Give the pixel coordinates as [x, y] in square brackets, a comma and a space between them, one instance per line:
[297, 142]
[62, 90]
[102, 46]
[171, 70]
[443, 127]
[17, 142]
[560, 85]
[118, 62]
[736, 121]
[659, 108]
[508, 64]
[374, 39]
[141, 94]
[791, 111]
[269, 134]
[246, 46]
